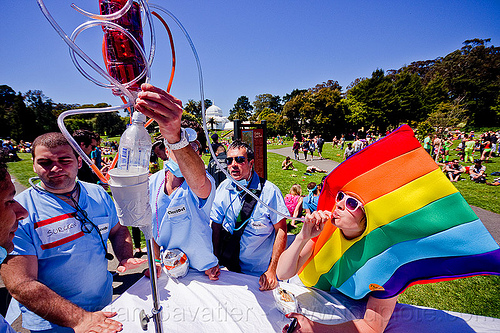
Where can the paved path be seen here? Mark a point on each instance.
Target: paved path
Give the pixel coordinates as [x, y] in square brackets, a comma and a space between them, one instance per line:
[490, 220]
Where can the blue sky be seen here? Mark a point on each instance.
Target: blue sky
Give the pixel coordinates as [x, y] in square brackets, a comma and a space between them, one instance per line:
[247, 47]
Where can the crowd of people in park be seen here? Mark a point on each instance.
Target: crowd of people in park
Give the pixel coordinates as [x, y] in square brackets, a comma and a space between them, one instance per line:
[61, 280]
[471, 149]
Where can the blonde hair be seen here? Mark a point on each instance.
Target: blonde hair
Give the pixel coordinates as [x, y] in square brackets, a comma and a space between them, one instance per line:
[296, 189]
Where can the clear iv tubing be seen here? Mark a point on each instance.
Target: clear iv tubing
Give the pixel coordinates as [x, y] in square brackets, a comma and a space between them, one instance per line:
[130, 96]
[205, 129]
[91, 24]
[82, 54]
[93, 65]
[112, 16]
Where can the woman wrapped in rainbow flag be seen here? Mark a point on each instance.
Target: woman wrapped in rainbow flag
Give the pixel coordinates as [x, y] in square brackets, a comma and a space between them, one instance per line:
[387, 218]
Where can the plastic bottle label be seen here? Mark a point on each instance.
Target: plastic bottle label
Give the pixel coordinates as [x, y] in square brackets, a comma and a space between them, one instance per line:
[124, 158]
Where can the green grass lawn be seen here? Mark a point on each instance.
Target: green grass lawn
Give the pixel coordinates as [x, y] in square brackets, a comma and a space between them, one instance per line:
[476, 295]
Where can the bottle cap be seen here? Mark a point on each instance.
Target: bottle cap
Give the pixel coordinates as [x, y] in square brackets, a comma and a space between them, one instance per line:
[137, 116]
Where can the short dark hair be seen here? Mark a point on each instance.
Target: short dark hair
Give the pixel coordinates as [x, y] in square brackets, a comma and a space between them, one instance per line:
[85, 136]
[50, 140]
[312, 185]
[237, 144]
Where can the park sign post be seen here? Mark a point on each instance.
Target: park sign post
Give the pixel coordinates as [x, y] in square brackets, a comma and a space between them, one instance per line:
[255, 135]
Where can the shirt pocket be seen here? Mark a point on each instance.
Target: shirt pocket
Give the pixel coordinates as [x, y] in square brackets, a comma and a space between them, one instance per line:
[177, 211]
[260, 226]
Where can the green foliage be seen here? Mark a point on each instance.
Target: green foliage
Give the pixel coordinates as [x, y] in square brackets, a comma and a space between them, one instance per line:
[241, 110]
[109, 123]
[194, 108]
[266, 102]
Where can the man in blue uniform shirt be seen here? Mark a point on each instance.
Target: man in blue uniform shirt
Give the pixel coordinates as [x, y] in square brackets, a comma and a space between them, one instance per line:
[264, 235]
[10, 213]
[58, 269]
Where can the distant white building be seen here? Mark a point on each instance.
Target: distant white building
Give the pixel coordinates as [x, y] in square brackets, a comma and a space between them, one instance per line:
[219, 121]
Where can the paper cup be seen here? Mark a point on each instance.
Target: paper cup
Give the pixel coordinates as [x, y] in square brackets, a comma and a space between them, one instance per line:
[131, 197]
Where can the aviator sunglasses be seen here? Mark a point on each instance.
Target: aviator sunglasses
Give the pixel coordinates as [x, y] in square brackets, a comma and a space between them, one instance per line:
[238, 159]
[351, 203]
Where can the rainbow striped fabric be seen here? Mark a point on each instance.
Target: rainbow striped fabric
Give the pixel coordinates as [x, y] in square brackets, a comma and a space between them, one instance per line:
[419, 227]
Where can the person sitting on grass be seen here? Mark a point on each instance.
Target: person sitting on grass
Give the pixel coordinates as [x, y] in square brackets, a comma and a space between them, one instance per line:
[293, 201]
[310, 203]
[287, 164]
[477, 171]
[454, 170]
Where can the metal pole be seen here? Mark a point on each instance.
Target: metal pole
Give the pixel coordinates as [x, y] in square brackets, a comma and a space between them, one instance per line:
[154, 287]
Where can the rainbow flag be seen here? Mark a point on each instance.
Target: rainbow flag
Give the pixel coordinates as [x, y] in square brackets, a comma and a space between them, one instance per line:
[419, 227]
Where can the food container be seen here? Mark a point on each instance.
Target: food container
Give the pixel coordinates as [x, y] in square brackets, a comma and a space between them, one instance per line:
[285, 301]
[175, 263]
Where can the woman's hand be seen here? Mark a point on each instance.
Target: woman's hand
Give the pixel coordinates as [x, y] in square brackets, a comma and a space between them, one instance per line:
[314, 223]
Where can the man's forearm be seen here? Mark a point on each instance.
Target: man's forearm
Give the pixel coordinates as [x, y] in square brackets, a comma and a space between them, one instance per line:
[46, 303]
[193, 170]
[122, 244]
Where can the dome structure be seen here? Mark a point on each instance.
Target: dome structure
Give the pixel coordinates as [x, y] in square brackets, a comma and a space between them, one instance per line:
[219, 121]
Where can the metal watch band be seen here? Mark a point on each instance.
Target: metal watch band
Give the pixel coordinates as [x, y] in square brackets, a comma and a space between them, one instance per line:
[183, 142]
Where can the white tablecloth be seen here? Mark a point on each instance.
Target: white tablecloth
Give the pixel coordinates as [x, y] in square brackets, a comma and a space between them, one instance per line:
[235, 304]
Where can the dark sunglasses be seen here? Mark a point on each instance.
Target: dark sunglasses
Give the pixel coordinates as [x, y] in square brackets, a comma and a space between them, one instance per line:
[351, 203]
[238, 159]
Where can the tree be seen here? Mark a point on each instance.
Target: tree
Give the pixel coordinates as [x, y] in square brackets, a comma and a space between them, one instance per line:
[211, 121]
[241, 109]
[7, 96]
[42, 107]
[330, 84]
[376, 102]
[410, 95]
[288, 97]
[275, 122]
[264, 101]
[292, 115]
[194, 108]
[109, 123]
[448, 114]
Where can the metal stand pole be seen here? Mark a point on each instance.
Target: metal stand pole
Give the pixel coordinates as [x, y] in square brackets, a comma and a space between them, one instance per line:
[156, 312]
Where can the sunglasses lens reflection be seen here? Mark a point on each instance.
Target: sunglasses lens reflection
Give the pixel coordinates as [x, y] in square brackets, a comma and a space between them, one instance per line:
[351, 203]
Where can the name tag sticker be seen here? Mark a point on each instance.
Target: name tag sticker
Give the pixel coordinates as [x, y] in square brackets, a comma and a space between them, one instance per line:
[176, 211]
[104, 228]
[58, 230]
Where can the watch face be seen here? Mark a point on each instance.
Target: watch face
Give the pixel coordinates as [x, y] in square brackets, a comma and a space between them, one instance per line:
[191, 134]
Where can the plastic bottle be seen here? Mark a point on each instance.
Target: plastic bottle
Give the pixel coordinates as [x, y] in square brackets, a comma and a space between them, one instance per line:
[135, 147]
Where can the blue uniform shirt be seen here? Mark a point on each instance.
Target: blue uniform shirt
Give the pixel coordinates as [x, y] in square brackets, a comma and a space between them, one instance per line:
[310, 202]
[5, 327]
[70, 262]
[182, 221]
[256, 245]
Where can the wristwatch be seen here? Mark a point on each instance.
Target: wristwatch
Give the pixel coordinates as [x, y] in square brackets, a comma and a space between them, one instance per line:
[183, 142]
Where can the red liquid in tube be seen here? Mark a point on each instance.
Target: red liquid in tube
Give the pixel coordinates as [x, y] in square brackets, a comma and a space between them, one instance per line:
[123, 59]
